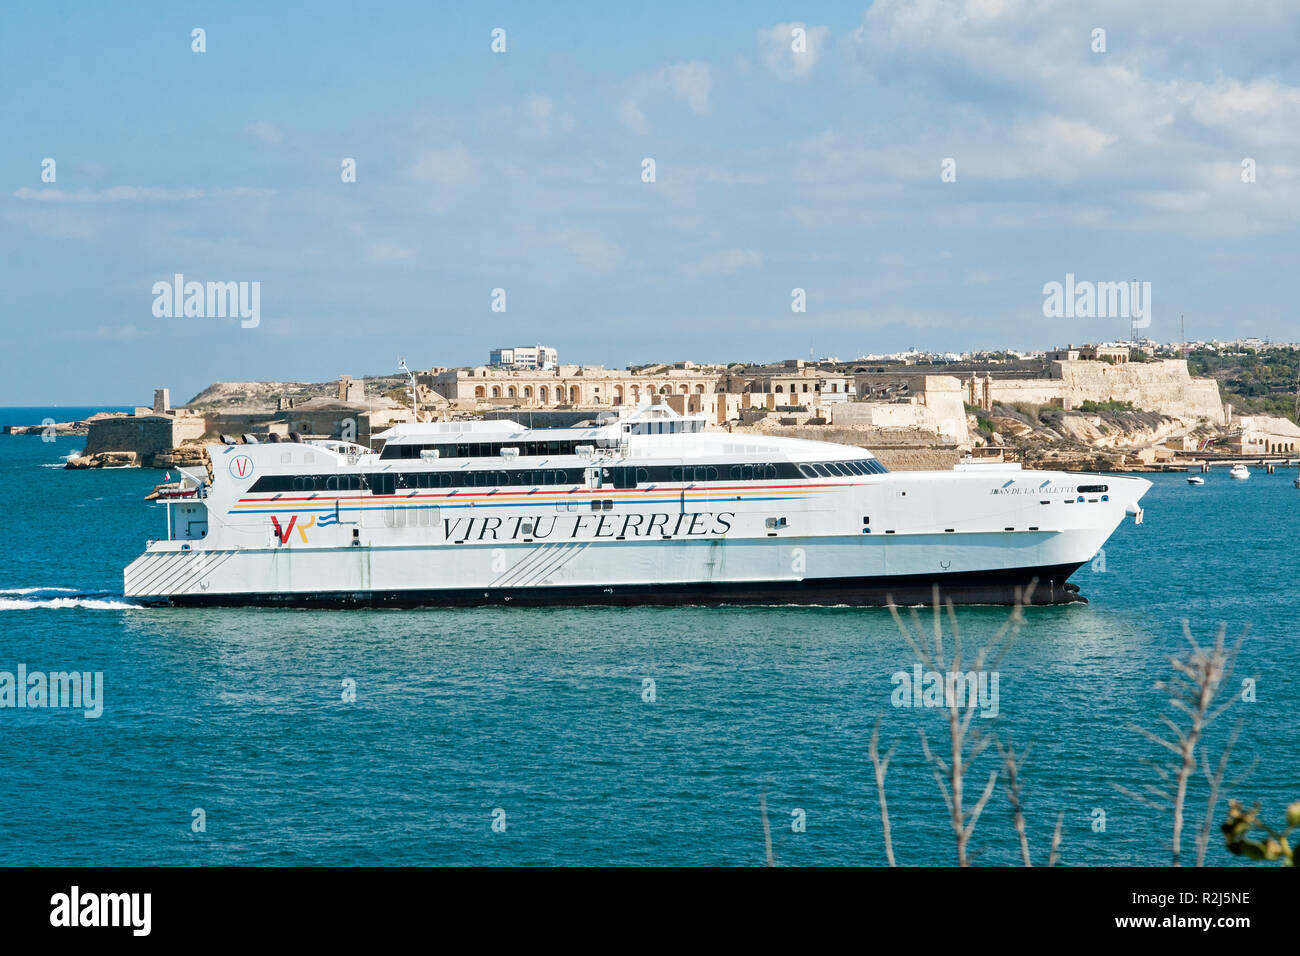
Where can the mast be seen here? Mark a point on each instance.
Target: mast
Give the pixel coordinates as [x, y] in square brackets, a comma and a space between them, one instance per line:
[415, 399]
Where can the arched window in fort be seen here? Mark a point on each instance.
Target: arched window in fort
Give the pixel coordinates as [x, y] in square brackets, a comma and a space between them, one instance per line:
[478, 392]
[528, 391]
[573, 394]
[684, 389]
[543, 394]
[778, 389]
[496, 391]
[618, 394]
[510, 391]
[699, 389]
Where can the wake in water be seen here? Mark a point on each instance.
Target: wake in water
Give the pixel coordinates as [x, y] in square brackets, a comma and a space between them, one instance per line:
[26, 599]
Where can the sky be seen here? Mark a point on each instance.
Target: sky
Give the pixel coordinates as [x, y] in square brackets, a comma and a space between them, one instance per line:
[920, 170]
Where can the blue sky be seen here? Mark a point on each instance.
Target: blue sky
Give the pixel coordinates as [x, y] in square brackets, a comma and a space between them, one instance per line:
[522, 170]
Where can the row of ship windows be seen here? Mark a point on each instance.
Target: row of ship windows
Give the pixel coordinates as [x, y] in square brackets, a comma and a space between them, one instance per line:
[492, 449]
[617, 477]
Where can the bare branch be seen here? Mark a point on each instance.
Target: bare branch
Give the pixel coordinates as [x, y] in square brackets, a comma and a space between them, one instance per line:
[882, 768]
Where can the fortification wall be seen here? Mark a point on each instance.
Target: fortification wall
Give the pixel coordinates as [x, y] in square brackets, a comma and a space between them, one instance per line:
[1164, 386]
[938, 408]
[944, 396]
[917, 459]
[145, 436]
[883, 415]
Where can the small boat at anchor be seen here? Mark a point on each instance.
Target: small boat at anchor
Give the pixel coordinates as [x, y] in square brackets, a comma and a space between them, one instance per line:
[1239, 471]
[1195, 480]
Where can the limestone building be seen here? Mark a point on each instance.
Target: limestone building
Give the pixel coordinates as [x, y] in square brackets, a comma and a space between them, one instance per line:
[567, 385]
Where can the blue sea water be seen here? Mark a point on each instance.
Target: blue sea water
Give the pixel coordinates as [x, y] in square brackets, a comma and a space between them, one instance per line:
[540, 713]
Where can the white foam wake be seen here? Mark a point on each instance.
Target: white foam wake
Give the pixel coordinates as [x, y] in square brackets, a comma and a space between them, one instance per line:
[27, 599]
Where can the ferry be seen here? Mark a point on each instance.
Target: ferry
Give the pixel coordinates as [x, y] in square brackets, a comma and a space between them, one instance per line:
[645, 508]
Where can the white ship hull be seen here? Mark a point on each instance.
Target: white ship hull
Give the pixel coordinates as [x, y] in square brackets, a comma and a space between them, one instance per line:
[626, 574]
[982, 536]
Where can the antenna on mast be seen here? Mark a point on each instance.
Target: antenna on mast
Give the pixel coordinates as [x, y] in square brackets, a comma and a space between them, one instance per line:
[415, 399]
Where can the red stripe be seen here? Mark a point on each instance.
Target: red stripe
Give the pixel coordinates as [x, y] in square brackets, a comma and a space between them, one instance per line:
[601, 493]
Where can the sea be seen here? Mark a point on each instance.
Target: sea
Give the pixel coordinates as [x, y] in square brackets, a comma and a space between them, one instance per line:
[596, 736]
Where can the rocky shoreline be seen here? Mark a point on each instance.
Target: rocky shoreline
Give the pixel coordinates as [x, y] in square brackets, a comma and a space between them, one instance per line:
[187, 456]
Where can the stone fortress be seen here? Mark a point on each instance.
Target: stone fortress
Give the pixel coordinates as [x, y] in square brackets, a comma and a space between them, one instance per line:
[899, 406]
[928, 401]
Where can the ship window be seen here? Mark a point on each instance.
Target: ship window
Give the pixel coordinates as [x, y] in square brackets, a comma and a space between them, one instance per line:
[622, 477]
[1087, 489]
[821, 469]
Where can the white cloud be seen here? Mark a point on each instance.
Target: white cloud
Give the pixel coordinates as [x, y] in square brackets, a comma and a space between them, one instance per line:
[543, 117]
[589, 250]
[632, 118]
[729, 262]
[54, 221]
[388, 252]
[451, 166]
[994, 74]
[688, 82]
[788, 54]
[114, 194]
[119, 333]
[266, 131]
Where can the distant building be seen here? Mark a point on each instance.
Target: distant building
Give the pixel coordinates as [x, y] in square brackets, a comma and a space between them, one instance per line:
[351, 390]
[1265, 435]
[567, 385]
[524, 358]
[794, 382]
[1115, 354]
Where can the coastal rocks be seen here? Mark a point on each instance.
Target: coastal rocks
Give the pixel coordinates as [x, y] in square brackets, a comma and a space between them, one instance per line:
[51, 428]
[186, 456]
[58, 428]
[105, 459]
